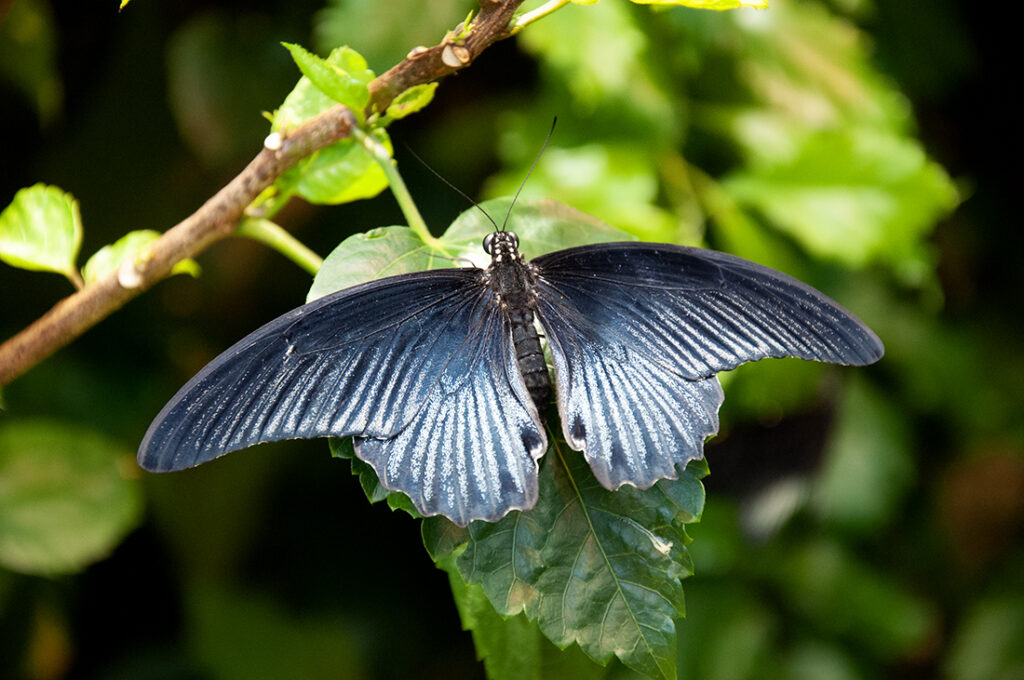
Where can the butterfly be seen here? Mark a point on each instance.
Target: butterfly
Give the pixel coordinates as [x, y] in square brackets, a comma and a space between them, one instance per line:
[441, 378]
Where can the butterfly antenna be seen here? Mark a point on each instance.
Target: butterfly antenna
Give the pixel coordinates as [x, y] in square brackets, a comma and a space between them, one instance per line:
[535, 161]
[457, 190]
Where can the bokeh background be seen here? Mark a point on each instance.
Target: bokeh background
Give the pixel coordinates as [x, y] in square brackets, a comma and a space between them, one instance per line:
[859, 523]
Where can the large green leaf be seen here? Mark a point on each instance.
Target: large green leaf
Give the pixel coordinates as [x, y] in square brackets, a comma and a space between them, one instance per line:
[542, 226]
[852, 195]
[67, 496]
[41, 230]
[596, 567]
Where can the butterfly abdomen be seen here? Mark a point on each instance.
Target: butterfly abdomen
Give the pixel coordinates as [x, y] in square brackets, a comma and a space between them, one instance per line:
[512, 279]
[530, 357]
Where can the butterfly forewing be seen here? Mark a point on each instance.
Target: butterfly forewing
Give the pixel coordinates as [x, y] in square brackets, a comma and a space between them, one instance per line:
[698, 312]
[364, 361]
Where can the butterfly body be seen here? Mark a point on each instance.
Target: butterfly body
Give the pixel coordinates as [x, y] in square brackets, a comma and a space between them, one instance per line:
[441, 379]
[513, 280]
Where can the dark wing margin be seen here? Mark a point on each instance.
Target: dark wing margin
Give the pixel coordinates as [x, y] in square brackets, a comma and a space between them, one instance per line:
[369, 361]
[638, 331]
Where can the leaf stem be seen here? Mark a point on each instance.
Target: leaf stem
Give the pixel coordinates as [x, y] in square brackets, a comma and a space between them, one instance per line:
[412, 214]
[273, 235]
[528, 18]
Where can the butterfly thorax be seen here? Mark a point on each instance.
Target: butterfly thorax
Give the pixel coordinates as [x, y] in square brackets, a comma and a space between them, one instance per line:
[512, 280]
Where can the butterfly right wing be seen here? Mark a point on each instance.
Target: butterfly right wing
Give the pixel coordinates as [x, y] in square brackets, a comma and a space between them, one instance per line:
[369, 361]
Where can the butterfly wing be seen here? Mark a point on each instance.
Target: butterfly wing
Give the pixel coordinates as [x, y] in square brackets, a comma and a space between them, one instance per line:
[638, 331]
[422, 353]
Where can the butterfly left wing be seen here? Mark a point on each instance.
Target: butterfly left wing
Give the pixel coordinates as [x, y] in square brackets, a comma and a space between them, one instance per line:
[638, 331]
[422, 353]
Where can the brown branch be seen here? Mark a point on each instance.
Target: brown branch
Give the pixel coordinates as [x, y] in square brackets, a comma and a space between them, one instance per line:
[219, 216]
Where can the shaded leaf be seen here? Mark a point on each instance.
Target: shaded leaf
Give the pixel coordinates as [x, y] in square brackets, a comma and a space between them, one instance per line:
[988, 641]
[66, 499]
[368, 480]
[239, 635]
[840, 594]
[41, 230]
[28, 55]
[592, 566]
[869, 464]
[108, 258]
[220, 68]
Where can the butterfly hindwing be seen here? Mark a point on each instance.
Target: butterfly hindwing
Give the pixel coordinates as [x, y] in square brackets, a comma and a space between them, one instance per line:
[638, 331]
[379, 361]
[471, 452]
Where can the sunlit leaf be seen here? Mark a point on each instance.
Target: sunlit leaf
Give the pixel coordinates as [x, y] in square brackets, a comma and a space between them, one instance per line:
[856, 196]
[618, 183]
[307, 100]
[343, 76]
[41, 230]
[341, 173]
[109, 257]
[66, 496]
[708, 4]
[542, 226]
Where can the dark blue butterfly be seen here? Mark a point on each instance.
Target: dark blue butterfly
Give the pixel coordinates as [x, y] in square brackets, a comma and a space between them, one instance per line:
[440, 377]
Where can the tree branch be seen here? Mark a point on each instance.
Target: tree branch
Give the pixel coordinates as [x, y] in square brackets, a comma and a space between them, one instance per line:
[219, 216]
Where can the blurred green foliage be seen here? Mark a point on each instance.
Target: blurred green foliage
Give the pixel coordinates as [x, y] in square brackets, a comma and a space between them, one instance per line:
[858, 524]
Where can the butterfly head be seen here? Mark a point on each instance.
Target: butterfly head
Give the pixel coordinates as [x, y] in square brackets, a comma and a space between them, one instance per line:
[502, 246]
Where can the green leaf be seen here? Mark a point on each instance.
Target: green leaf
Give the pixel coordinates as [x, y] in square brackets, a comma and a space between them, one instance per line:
[854, 195]
[368, 480]
[237, 635]
[109, 257]
[592, 566]
[341, 173]
[617, 182]
[28, 55]
[542, 226]
[41, 230]
[410, 101]
[842, 596]
[385, 251]
[988, 640]
[67, 496]
[512, 648]
[343, 76]
[869, 463]
[708, 4]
